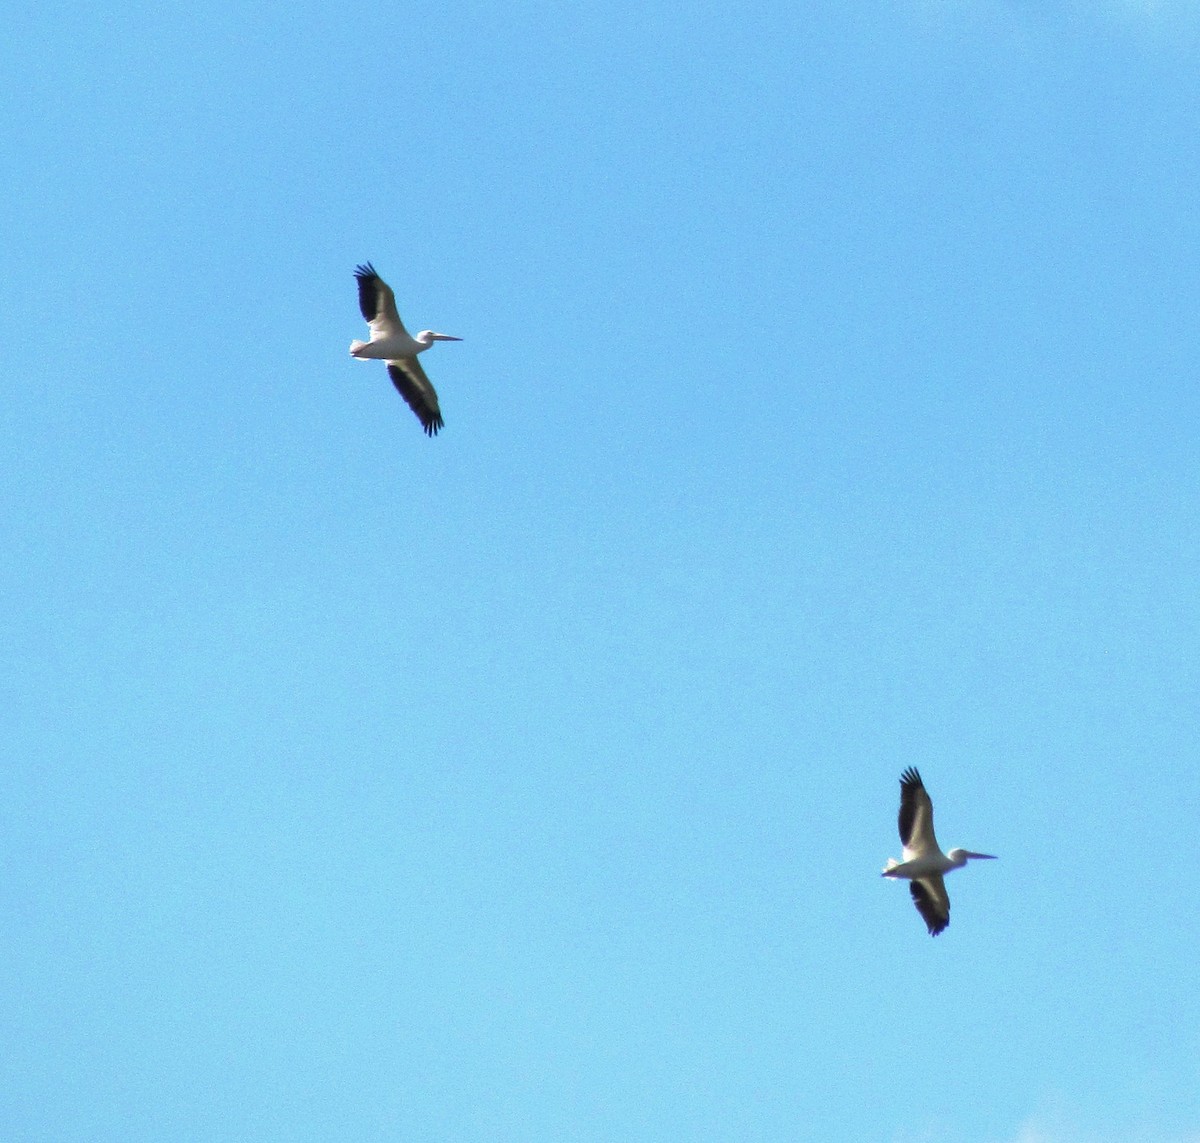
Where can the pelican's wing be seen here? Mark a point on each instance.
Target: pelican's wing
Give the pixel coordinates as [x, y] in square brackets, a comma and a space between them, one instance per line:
[929, 896]
[378, 303]
[916, 817]
[412, 384]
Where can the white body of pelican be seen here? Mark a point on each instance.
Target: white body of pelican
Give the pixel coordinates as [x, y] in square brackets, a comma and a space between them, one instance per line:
[924, 862]
[392, 343]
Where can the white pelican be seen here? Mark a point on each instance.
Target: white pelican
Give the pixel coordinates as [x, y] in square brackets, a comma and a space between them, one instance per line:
[924, 862]
[392, 343]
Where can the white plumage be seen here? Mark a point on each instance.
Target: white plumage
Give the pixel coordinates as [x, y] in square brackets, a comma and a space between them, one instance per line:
[924, 862]
[392, 343]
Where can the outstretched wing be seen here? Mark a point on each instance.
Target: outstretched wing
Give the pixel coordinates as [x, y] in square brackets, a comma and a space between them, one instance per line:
[916, 817]
[378, 303]
[411, 383]
[929, 896]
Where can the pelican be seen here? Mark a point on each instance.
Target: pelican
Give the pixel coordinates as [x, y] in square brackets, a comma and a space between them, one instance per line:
[392, 343]
[924, 862]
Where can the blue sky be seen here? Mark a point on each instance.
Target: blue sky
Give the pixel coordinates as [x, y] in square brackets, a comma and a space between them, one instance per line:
[827, 405]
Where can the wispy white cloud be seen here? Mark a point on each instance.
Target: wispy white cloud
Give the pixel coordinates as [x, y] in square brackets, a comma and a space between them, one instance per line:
[1057, 1127]
[1039, 1129]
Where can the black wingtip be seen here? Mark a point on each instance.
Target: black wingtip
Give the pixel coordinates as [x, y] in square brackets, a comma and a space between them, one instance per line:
[366, 270]
[911, 777]
[934, 922]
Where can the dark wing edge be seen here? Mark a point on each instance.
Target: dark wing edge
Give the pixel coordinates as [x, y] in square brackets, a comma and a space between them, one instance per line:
[420, 397]
[935, 913]
[912, 789]
[368, 290]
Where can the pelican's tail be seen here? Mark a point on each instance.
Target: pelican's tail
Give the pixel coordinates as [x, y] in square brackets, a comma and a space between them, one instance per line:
[892, 863]
[356, 347]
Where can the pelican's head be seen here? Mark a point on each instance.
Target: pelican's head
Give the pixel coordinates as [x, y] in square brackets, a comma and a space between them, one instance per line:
[962, 856]
[428, 337]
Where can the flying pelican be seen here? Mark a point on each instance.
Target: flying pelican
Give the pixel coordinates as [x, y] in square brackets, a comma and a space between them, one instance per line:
[392, 343]
[924, 862]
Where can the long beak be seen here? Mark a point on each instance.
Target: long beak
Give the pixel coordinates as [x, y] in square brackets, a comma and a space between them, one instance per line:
[988, 856]
[445, 337]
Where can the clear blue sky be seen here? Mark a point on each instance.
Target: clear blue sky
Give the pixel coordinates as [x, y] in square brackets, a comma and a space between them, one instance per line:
[827, 405]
